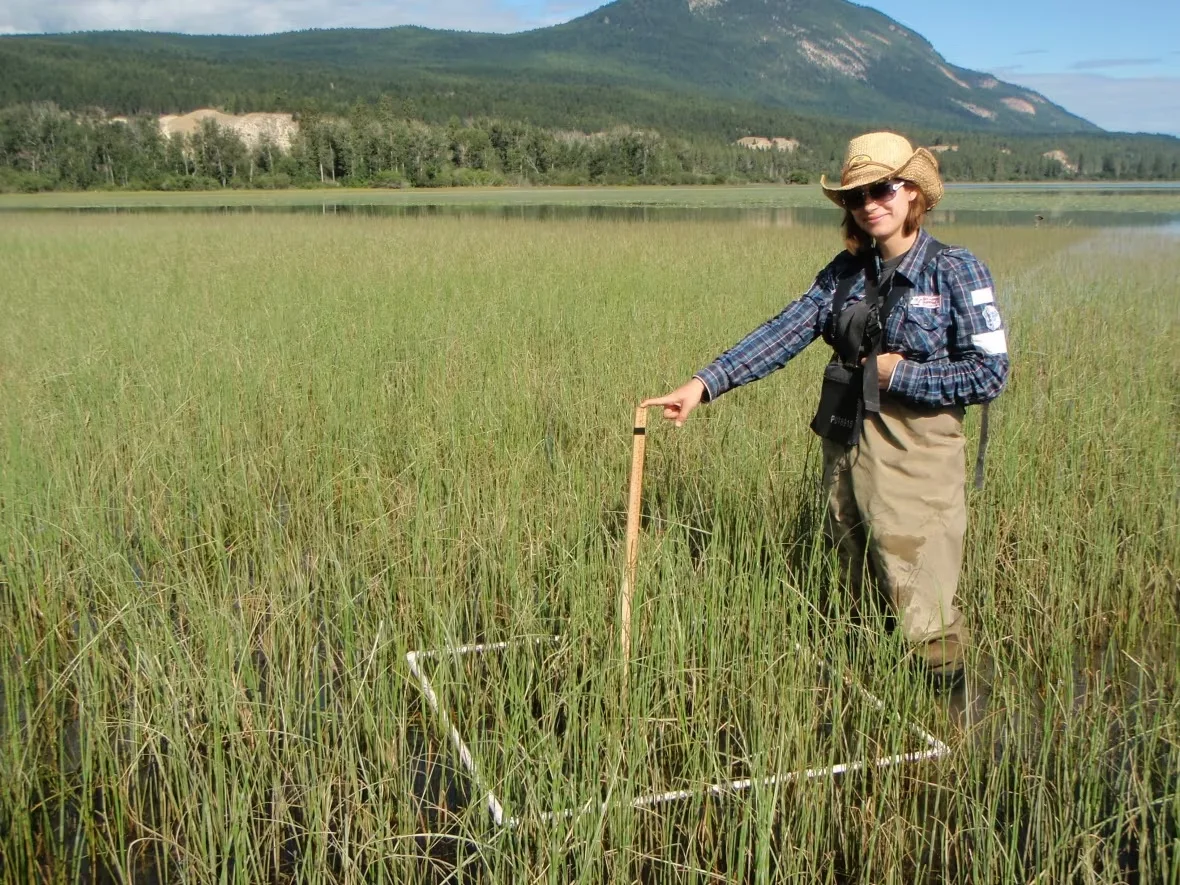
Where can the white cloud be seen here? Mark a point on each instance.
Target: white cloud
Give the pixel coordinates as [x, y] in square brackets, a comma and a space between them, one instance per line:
[1120, 104]
[270, 16]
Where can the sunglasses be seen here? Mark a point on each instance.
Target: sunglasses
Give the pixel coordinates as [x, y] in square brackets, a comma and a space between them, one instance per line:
[881, 192]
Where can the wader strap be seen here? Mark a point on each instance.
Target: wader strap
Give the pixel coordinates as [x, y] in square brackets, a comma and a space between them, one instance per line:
[840, 296]
[893, 295]
[933, 247]
[870, 392]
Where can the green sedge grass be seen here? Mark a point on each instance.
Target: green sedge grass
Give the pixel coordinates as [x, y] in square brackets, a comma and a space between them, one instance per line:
[249, 464]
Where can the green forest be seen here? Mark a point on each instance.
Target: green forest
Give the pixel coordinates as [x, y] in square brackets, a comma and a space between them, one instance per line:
[651, 92]
[386, 144]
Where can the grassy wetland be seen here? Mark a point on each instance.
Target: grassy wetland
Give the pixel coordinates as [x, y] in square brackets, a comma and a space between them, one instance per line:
[249, 463]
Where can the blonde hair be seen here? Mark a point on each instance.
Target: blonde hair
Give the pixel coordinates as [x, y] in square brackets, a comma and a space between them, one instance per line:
[857, 241]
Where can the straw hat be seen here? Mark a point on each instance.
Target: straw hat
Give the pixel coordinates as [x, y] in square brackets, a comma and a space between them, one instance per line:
[880, 156]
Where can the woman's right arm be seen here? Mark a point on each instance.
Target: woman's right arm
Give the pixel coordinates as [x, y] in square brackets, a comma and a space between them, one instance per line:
[767, 349]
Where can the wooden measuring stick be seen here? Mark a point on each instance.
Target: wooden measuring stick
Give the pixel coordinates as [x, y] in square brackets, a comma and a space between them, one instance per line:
[632, 540]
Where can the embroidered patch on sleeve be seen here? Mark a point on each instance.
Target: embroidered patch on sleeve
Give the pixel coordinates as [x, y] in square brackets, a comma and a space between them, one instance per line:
[982, 296]
[991, 316]
[991, 342]
[929, 302]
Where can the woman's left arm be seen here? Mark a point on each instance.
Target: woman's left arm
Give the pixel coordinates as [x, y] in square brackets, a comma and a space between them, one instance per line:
[976, 368]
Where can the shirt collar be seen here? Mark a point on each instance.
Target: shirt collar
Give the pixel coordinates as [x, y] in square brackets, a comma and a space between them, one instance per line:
[915, 259]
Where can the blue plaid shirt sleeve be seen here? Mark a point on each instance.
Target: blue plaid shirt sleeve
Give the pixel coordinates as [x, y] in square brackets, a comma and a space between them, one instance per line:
[975, 367]
[773, 344]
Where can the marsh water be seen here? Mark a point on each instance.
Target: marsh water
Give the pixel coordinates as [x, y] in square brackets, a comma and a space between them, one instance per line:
[1153, 205]
[760, 216]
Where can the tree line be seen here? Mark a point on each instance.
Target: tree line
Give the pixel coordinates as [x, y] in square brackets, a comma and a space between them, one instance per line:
[381, 144]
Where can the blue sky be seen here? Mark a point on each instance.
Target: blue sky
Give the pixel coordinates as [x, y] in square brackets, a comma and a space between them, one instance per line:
[1115, 64]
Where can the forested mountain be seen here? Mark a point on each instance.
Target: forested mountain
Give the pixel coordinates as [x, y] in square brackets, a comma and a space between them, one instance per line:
[651, 91]
[722, 68]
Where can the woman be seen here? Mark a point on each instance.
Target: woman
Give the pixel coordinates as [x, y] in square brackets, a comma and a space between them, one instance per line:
[916, 337]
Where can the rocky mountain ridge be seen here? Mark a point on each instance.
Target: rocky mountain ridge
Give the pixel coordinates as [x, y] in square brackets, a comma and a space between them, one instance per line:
[818, 56]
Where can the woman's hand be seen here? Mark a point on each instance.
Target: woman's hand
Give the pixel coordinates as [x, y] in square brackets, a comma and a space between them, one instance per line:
[680, 402]
[886, 365]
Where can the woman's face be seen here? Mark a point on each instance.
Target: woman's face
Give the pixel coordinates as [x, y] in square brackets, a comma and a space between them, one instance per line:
[885, 218]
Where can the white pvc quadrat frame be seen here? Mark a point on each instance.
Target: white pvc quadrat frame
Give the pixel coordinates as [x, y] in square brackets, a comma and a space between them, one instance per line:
[934, 748]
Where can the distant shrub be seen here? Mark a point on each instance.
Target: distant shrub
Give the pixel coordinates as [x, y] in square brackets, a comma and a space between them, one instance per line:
[570, 177]
[476, 178]
[388, 178]
[189, 183]
[15, 181]
[272, 181]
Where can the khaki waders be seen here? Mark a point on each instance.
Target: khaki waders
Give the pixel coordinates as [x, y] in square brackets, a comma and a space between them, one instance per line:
[898, 498]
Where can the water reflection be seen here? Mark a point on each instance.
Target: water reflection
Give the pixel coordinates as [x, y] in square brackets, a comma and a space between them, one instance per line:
[1071, 187]
[761, 217]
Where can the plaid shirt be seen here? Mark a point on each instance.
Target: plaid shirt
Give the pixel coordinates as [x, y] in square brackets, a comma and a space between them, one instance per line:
[946, 328]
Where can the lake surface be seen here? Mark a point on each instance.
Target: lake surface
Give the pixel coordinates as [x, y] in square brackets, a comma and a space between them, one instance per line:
[806, 216]
[1140, 205]
[1110, 187]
